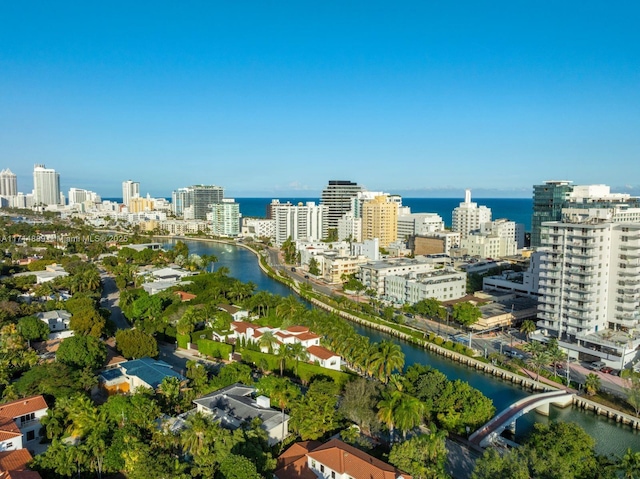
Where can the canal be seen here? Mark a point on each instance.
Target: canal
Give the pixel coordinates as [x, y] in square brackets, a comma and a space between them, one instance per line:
[611, 437]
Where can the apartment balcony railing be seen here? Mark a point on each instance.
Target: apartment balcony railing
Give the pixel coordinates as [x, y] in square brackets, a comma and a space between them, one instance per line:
[580, 297]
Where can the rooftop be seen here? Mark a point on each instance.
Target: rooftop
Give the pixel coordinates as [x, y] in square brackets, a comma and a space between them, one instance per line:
[23, 406]
[150, 371]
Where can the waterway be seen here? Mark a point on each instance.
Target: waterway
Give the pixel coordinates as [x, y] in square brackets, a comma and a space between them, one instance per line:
[611, 437]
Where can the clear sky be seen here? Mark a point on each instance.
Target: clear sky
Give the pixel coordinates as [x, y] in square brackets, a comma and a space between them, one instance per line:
[269, 98]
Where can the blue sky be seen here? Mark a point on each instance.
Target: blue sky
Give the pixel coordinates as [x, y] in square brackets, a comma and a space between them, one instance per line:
[271, 98]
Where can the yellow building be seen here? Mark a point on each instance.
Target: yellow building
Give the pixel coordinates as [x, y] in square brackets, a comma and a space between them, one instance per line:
[139, 205]
[380, 220]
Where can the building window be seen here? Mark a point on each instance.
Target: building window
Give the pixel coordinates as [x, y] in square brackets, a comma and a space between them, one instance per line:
[31, 435]
[321, 467]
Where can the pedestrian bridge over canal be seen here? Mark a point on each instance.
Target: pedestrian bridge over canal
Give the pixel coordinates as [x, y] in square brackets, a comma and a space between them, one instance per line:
[540, 402]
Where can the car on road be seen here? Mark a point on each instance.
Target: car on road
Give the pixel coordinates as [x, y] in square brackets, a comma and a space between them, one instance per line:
[306, 276]
[597, 365]
[514, 354]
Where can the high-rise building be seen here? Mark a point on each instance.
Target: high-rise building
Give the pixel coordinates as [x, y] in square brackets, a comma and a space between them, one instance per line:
[337, 198]
[203, 197]
[299, 221]
[130, 189]
[418, 224]
[8, 183]
[225, 218]
[380, 220]
[469, 216]
[194, 202]
[78, 195]
[552, 200]
[46, 186]
[588, 286]
[548, 201]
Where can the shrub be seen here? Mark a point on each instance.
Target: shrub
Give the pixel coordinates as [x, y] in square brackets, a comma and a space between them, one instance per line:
[215, 349]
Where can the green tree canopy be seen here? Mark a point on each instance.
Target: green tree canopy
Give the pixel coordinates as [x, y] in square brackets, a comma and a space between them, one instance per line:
[466, 313]
[82, 351]
[423, 456]
[135, 343]
[33, 329]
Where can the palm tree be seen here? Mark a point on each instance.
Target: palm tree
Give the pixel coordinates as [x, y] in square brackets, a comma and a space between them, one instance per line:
[556, 355]
[268, 340]
[527, 327]
[289, 308]
[170, 390]
[592, 383]
[194, 437]
[299, 352]
[387, 408]
[629, 464]
[408, 413]
[537, 361]
[284, 393]
[387, 358]
[284, 353]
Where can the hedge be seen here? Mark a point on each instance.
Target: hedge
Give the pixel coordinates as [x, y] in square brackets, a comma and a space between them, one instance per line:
[214, 349]
[306, 371]
[183, 340]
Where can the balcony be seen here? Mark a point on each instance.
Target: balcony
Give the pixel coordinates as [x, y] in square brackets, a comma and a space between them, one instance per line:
[543, 308]
[573, 278]
[547, 283]
[577, 307]
[627, 306]
[579, 261]
[549, 291]
[580, 297]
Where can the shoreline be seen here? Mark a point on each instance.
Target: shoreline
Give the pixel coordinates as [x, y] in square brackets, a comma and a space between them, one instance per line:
[524, 382]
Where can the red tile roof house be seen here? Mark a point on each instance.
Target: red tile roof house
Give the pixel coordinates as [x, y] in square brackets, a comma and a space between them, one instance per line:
[25, 415]
[324, 357]
[13, 465]
[334, 459]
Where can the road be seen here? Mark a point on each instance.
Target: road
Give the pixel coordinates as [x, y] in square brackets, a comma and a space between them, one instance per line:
[111, 300]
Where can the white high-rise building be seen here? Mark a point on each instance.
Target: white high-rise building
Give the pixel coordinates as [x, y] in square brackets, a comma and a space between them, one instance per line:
[8, 183]
[46, 186]
[350, 228]
[78, 195]
[300, 221]
[418, 224]
[469, 216]
[589, 287]
[130, 189]
[225, 218]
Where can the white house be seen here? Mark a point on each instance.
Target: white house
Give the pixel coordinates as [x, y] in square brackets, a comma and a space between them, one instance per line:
[324, 357]
[25, 414]
[58, 321]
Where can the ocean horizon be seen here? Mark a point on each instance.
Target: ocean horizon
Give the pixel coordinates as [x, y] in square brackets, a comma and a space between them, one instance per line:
[518, 210]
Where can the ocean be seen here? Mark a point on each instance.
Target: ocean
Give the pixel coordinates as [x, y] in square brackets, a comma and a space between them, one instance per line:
[514, 209]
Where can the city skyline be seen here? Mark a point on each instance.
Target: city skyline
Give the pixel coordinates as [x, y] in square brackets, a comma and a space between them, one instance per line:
[419, 100]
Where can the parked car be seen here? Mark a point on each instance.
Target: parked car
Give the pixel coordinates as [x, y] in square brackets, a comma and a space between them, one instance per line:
[558, 366]
[597, 365]
[606, 370]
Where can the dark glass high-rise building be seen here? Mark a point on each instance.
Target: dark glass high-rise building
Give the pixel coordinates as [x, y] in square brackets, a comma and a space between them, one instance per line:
[202, 197]
[548, 201]
[337, 197]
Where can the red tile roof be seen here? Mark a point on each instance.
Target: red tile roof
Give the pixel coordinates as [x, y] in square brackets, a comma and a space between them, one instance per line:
[292, 463]
[321, 352]
[22, 406]
[298, 329]
[281, 334]
[8, 429]
[184, 296]
[346, 459]
[307, 336]
[13, 465]
[242, 326]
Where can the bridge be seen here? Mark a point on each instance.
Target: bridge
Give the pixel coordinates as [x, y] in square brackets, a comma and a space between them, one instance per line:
[540, 402]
